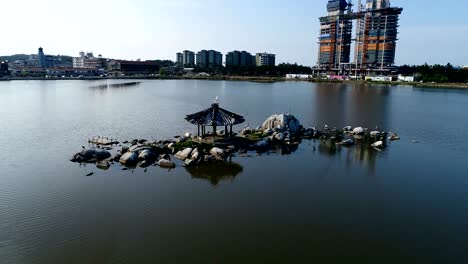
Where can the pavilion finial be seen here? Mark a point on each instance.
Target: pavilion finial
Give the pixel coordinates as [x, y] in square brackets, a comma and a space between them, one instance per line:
[216, 100]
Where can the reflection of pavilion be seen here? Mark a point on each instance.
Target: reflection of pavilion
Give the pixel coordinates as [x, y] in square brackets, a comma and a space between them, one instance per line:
[215, 171]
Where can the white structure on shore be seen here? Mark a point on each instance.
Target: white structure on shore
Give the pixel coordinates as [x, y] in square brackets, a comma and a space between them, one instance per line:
[298, 76]
[402, 78]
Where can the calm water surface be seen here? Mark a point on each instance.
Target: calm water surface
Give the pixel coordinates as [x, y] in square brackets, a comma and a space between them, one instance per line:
[407, 204]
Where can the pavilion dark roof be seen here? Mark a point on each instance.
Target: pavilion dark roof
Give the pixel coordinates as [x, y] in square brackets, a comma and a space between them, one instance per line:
[215, 116]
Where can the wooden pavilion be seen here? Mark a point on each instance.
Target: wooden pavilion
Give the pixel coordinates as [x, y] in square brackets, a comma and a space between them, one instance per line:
[215, 116]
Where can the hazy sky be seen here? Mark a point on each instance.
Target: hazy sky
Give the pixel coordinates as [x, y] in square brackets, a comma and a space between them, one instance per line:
[431, 31]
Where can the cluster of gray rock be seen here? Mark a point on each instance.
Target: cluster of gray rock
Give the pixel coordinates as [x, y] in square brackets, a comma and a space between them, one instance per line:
[278, 130]
[286, 129]
[138, 153]
[143, 154]
[192, 156]
[91, 156]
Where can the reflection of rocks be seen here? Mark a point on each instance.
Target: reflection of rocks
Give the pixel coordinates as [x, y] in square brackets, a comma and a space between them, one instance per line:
[215, 171]
[184, 154]
[103, 165]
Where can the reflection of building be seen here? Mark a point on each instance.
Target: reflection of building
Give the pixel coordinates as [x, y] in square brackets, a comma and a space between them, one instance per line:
[209, 59]
[265, 59]
[133, 67]
[340, 105]
[239, 58]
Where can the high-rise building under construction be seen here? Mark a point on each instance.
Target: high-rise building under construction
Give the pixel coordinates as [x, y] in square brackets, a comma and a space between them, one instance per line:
[375, 39]
[335, 34]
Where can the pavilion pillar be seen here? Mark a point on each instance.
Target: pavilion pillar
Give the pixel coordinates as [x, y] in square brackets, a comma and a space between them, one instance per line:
[225, 131]
[230, 131]
[198, 130]
[214, 131]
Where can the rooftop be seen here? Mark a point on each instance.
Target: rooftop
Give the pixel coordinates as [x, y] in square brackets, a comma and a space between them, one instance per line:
[215, 116]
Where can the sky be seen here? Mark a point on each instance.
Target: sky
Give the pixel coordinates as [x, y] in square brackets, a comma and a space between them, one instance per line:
[430, 31]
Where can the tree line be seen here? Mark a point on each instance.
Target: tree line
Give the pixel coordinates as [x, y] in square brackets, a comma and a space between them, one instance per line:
[436, 73]
[270, 71]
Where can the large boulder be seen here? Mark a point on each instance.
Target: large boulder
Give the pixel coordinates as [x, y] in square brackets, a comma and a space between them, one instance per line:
[164, 163]
[134, 148]
[282, 123]
[279, 136]
[378, 144]
[129, 158]
[195, 155]
[147, 155]
[217, 152]
[183, 154]
[358, 130]
[91, 156]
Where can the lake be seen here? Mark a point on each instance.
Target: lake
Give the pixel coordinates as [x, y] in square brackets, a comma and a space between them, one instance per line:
[406, 204]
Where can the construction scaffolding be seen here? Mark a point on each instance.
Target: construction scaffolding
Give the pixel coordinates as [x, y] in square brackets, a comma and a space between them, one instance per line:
[375, 40]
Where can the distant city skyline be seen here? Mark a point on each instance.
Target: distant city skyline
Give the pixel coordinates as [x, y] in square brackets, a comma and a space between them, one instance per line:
[430, 32]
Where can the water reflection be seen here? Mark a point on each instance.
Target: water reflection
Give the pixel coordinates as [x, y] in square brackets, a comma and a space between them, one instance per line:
[215, 172]
[115, 85]
[364, 105]
[358, 154]
[287, 149]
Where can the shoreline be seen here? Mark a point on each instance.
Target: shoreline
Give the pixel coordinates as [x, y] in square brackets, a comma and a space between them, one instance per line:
[259, 79]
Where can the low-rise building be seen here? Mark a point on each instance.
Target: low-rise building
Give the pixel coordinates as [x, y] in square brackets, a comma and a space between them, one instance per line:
[402, 78]
[379, 78]
[55, 72]
[74, 72]
[133, 67]
[298, 76]
[89, 61]
[28, 71]
[265, 59]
